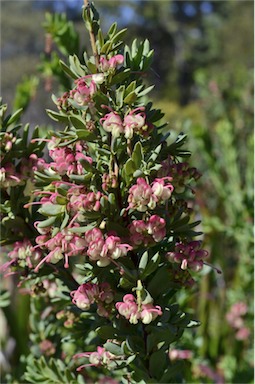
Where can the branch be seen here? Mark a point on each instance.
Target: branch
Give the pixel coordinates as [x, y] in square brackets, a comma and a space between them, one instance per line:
[92, 38]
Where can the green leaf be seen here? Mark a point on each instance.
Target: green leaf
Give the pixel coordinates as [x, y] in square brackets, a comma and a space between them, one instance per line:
[130, 98]
[119, 35]
[58, 116]
[49, 209]
[115, 349]
[107, 332]
[46, 223]
[78, 122]
[137, 155]
[13, 118]
[67, 70]
[112, 29]
[120, 77]
[83, 229]
[143, 261]
[157, 364]
[119, 95]
[151, 266]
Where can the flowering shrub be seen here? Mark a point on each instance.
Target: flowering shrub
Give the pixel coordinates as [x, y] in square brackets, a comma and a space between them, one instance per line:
[113, 235]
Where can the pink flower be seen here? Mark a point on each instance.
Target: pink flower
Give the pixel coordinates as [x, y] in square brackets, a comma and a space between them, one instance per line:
[90, 293]
[178, 354]
[235, 316]
[112, 122]
[94, 234]
[189, 255]
[94, 252]
[63, 245]
[147, 232]
[84, 92]
[128, 308]
[156, 227]
[133, 123]
[141, 196]
[22, 254]
[112, 63]
[85, 295]
[114, 249]
[242, 334]
[105, 250]
[99, 358]
[116, 60]
[9, 177]
[162, 191]
[149, 313]
[131, 311]
[138, 233]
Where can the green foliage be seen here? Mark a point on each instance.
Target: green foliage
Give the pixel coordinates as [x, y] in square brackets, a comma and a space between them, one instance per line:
[53, 371]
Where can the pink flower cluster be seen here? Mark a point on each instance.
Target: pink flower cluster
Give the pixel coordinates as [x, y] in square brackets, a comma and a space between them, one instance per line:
[180, 172]
[7, 141]
[133, 123]
[62, 245]
[112, 63]
[203, 370]
[104, 250]
[83, 92]
[147, 232]
[129, 308]
[142, 196]
[80, 200]
[67, 159]
[9, 176]
[90, 293]
[180, 354]
[235, 319]
[22, 255]
[96, 359]
[189, 255]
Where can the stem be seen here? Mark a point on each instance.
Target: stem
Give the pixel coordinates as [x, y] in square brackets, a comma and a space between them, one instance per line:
[92, 38]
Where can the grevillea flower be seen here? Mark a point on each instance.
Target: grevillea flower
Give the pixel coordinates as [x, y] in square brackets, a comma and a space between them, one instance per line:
[63, 245]
[66, 160]
[105, 249]
[235, 319]
[147, 232]
[189, 255]
[112, 122]
[81, 201]
[134, 123]
[90, 293]
[156, 227]
[180, 173]
[85, 295]
[84, 92]
[112, 63]
[96, 359]
[180, 354]
[7, 141]
[9, 177]
[160, 190]
[22, 255]
[130, 309]
[141, 196]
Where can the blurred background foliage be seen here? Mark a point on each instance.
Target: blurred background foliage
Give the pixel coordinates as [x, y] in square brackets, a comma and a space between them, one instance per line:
[203, 71]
